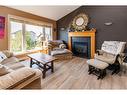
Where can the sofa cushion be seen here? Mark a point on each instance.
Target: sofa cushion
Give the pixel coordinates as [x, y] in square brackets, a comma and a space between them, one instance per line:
[16, 77]
[105, 58]
[63, 46]
[32, 83]
[4, 70]
[57, 48]
[10, 60]
[97, 64]
[55, 43]
[59, 52]
[15, 66]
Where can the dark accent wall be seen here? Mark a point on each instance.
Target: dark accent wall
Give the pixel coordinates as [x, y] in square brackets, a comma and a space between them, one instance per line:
[98, 15]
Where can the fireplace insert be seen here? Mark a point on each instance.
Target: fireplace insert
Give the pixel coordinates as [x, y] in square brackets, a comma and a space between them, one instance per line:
[81, 46]
[80, 49]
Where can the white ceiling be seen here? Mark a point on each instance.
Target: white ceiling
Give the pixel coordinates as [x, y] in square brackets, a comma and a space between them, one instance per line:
[51, 12]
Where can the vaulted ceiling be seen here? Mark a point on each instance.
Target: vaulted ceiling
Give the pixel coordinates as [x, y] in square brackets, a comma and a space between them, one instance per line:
[51, 12]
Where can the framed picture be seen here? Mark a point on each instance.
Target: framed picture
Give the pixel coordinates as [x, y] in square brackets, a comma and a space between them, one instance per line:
[2, 27]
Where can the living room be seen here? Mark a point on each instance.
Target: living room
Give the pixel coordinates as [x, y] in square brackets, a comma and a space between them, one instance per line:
[63, 47]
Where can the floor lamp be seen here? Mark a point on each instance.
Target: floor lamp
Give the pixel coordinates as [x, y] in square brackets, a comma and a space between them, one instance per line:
[42, 40]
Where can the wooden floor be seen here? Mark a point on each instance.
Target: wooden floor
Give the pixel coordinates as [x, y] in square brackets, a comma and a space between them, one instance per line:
[73, 74]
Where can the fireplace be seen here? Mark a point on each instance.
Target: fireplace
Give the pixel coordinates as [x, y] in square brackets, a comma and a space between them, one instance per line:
[80, 49]
[85, 34]
[81, 46]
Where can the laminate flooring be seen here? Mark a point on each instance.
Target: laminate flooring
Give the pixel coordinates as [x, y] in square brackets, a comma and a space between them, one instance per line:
[73, 74]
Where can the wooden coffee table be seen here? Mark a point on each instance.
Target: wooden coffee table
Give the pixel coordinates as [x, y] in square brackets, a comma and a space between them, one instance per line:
[44, 61]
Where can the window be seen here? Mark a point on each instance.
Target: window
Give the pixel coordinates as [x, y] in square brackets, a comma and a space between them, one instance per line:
[16, 37]
[27, 36]
[33, 36]
[48, 33]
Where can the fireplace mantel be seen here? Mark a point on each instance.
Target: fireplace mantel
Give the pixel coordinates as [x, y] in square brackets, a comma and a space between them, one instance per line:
[90, 34]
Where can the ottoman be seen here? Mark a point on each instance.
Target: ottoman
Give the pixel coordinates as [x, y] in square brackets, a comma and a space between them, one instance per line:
[97, 67]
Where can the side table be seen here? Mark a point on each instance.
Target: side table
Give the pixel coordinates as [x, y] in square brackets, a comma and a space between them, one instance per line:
[45, 50]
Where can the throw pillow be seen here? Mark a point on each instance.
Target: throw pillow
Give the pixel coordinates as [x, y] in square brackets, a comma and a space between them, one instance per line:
[1, 59]
[63, 46]
[8, 53]
[4, 70]
[2, 56]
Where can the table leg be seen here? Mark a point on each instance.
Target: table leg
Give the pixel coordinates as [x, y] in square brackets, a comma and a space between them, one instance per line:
[44, 71]
[52, 67]
[31, 62]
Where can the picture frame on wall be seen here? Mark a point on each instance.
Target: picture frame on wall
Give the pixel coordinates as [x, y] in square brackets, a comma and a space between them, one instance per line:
[2, 27]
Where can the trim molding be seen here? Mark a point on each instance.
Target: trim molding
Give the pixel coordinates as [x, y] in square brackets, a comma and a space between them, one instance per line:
[90, 34]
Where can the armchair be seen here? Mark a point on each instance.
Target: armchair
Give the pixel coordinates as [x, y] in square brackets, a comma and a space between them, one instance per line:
[109, 57]
[110, 53]
[58, 49]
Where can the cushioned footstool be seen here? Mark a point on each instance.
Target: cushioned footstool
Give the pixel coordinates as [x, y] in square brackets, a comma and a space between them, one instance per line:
[97, 67]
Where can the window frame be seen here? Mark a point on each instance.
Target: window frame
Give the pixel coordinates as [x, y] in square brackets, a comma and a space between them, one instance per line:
[25, 21]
